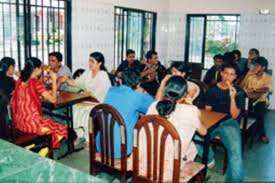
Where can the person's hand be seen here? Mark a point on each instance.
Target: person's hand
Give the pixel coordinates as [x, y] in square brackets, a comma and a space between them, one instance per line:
[53, 75]
[144, 61]
[17, 74]
[232, 92]
[152, 69]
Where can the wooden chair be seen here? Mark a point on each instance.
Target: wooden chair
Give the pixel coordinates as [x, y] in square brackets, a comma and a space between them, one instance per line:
[105, 161]
[156, 160]
[196, 71]
[10, 133]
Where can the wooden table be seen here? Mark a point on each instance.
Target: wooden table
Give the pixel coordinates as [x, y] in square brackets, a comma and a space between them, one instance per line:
[211, 120]
[65, 100]
[20, 165]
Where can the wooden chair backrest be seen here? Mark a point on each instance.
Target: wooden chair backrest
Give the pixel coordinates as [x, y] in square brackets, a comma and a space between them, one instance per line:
[157, 146]
[103, 118]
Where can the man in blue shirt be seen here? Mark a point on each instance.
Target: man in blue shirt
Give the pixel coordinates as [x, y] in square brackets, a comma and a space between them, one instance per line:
[129, 100]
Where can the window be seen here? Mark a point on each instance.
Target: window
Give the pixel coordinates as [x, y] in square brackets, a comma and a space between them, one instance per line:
[208, 35]
[134, 29]
[34, 28]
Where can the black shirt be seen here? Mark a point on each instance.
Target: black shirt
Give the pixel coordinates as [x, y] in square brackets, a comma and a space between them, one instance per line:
[136, 66]
[219, 99]
[210, 75]
[7, 84]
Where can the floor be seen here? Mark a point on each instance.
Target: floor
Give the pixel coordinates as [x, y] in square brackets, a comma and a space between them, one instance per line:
[258, 161]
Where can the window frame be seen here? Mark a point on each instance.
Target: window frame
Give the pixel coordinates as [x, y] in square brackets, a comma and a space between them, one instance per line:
[124, 42]
[187, 34]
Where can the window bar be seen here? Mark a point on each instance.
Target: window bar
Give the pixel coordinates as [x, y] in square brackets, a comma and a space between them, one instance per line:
[142, 36]
[36, 17]
[18, 35]
[123, 35]
[10, 23]
[58, 19]
[3, 18]
[42, 30]
[53, 23]
[48, 31]
[115, 40]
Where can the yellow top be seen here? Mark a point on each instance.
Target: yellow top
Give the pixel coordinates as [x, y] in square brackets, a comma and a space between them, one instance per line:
[253, 82]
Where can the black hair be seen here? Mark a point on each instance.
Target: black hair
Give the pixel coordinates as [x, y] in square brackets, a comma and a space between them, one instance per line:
[218, 56]
[130, 78]
[228, 57]
[5, 63]
[237, 52]
[130, 51]
[31, 64]
[181, 66]
[150, 54]
[231, 66]
[99, 57]
[78, 73]
[175, 88]
[262, 61]
[57, 54]
[255, 50]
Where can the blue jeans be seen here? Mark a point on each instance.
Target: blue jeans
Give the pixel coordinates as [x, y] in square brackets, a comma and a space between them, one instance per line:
[230, 134]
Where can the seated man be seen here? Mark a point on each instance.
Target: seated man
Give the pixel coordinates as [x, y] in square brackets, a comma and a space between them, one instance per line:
[257, 84]
[130, 101]
[213, 75]
[228, 98]
[55, 62]
[253, 55]
[129, 63]
[153, 73]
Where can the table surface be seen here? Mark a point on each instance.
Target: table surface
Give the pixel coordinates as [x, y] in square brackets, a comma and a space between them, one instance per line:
[211, 118]
[69, 98]
[20, 165]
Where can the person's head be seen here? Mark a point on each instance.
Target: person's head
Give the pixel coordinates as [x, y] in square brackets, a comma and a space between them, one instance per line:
[130, 56]
[253, 54]
[229, 72]
[152, 57]
[175, 89]
[218, 61]
[55, 60]
[96, 62]
[180, 68]
[261, 65]
[237, 54]
[130, 78]
[7, 65]
[78, 73]
[228, 57]
[33, 68]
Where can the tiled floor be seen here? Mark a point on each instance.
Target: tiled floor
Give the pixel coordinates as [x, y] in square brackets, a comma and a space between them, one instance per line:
[259, 161]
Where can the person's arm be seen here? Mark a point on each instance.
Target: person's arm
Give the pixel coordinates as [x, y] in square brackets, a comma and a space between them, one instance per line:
[51, 96]
[245, 79]
[234, 110]
[161, 90]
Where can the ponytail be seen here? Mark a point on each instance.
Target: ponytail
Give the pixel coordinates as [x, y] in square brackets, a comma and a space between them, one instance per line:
[31, 64]
[166, 107]
[175, 88]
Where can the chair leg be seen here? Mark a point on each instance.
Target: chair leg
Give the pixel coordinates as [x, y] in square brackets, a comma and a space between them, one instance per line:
[224, 163]
[199, 177]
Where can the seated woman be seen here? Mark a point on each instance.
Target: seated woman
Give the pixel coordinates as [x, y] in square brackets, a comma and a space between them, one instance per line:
[26, 104]
[180, 69]
[7, 83]
[96, 81]
[185, 118]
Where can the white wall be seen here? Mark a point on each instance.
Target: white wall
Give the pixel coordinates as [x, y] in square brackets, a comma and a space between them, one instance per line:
[221, 6]
[93, 26]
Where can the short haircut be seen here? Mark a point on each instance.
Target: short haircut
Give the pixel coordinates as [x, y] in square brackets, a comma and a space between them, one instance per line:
[57, 55]
[130, 78]
[262, 61]
[237, 52]
[255, 50]
[5, 63]
[78, 73]
[231, 66]
[130, 51]
[150, 54]
[218, 56]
